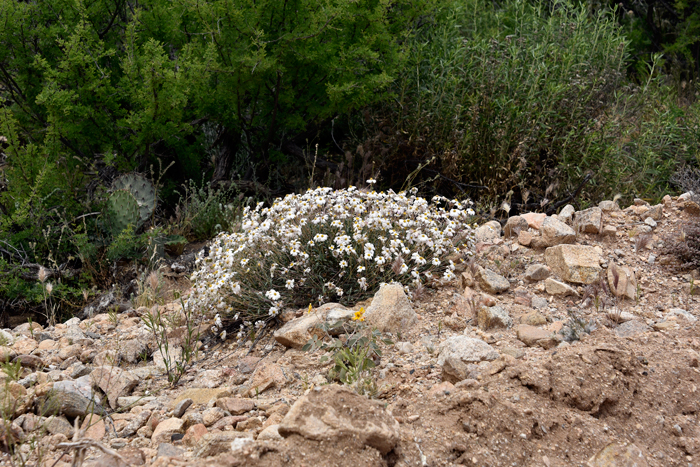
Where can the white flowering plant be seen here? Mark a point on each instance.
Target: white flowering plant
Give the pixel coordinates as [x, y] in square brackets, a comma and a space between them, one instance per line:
[327, 245]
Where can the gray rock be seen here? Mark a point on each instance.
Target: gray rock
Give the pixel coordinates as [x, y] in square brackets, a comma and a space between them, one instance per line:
[537, 272]
[589, 220]
[514, 226]
[492, 282]
[539, 303]
[642, 229]
[29, 361]
[488, 232]
[682, 314]
[555, 232]
[59, 424]
[81, 386]
[168, 450]
[181, 407]
[574, 263]
[650, 222]
[78, 370]
[70, 404]
[100, 305]
[494, 317]
[631, 328]
[457, 352]
[134, 401]
[336, 412]
[390, 310]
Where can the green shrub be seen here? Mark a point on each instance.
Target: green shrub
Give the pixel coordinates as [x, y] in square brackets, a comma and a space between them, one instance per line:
[324, 246]
[515, 99]
[204, 211]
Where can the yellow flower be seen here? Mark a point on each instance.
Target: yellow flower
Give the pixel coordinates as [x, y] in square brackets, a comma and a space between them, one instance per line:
[359, 315]
[309, 308]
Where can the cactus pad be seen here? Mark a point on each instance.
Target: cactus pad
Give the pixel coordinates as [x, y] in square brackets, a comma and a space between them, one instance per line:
[122, 210]
[142, 190]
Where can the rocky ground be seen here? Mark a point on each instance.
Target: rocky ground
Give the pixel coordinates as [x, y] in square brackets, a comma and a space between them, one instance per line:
[520, 362]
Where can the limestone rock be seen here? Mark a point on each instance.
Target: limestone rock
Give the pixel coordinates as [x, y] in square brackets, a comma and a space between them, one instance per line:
[555, 287]
[391, 311]
[531, 336]
[555, 232]
[492, 282]
[537, 272]
[134, 424]
[514, 226]
[271, 432]
[533, 318]
[165, 429]
[493, 317]
[607, 206]
[459, 351]
[655, 212]
[212, 444]
[566, 215]
[574, 263]
[201, 396]
[534, 219]
[335, 412]
[194, 434]
[626, 283]
[618, 455]
[589, 220]
[213, 415]
[525, 238]
[609, 230]
[297, 332]
[488, 232]
[132, 350]
[70, 351]
[114, 381]
[235, 405]
[692, 208]
[172, 355]
[267, 375]
[25, 346]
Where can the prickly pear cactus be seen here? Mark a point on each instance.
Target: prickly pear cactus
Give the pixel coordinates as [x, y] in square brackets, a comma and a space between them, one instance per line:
[144, 192]
[122, 210]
